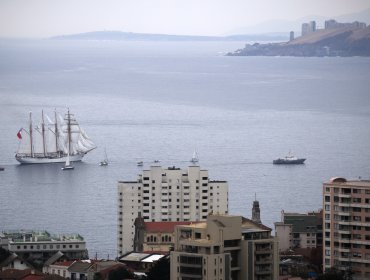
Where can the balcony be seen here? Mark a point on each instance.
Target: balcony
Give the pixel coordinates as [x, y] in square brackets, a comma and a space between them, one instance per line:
[344, 231]
[264, 250]
[263, 272]
[190, 276]
[344, 250]
[261, 261]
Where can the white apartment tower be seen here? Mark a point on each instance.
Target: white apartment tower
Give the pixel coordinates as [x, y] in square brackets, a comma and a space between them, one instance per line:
[171, 194]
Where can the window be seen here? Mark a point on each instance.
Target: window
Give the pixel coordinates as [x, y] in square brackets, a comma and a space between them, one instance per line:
[327, 198]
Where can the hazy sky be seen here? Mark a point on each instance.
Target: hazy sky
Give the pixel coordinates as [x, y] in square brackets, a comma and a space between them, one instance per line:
[42, 18]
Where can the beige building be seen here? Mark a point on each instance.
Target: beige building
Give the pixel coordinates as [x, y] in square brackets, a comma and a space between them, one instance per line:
[347, 226]
[171, 194]
[154, 236]
[299, 231]
[224, 247]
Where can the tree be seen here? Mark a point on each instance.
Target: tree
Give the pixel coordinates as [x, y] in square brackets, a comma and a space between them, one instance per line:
[120, 273]
[4, 254]
[160, 270]
[332, 274]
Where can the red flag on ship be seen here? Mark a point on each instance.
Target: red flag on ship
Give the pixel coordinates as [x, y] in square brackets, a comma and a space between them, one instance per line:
[19, 134]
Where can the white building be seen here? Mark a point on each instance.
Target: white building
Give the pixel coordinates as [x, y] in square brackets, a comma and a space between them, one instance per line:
[42, 244]
[171, 194]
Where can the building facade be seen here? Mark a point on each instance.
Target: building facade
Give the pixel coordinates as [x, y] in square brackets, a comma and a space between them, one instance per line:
[154, 236]
[331, 23]
[171, 194]
[308, 27]
[299, 231]
[42, 245]
[225, 247]
[347, 226]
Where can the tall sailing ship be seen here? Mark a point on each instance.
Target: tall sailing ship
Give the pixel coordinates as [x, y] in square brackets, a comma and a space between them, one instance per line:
[53, 141]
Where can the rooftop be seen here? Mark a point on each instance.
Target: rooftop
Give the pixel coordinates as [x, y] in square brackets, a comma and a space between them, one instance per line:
[350, 183]
[168, 227]
[38, 236]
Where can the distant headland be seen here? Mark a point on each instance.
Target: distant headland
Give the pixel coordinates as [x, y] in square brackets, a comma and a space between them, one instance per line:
[130, 36]
[336, 39]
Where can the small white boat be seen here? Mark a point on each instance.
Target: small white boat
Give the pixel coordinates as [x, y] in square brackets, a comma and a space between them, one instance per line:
[68, 165]
[140, 163]
[105, 161]
[194, 158]
[156, 161]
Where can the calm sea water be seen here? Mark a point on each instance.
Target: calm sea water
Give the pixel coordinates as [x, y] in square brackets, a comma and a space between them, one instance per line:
[148, 100]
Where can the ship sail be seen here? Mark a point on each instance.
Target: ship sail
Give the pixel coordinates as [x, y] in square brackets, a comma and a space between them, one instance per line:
[53, 140]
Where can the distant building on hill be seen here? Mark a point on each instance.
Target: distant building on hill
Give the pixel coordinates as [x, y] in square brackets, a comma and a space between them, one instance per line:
[171, 194]
[308, 27]
[291, 36]
[224, 247]
[331, 23]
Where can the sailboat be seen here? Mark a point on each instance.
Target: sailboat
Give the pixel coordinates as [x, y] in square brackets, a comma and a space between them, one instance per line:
[53, 141]
[194, 158]
[68, 165]
[104, 162]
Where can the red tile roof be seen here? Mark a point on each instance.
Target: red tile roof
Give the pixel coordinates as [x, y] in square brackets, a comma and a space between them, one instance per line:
[168, 227]
[65, 263]
[33, 277]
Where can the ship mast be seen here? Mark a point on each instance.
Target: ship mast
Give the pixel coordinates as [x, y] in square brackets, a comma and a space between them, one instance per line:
[31, 142]
[69, 132]
[43, 132]
[56, 131]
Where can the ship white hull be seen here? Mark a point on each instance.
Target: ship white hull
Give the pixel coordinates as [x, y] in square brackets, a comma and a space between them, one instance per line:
[35, 160]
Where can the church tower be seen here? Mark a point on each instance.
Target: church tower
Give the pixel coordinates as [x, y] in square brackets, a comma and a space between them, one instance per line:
[256, 213]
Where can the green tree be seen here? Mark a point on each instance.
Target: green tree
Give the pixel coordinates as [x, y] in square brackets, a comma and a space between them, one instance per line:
[160, 270]
[332, 274]
[120, 273]
[3, 254]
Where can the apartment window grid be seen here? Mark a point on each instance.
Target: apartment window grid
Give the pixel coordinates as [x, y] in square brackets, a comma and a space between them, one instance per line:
[348, 234]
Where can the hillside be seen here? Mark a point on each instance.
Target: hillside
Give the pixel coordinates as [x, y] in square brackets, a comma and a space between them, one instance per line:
[326, 42]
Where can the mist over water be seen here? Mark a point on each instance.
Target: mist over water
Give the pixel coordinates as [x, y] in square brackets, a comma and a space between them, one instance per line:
[161, 100]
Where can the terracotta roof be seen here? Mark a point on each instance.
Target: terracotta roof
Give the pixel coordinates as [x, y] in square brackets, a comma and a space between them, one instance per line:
[64, 263]
[33, 277]
[17, 273]
[168, 227]
[104, 273]
[80, 266]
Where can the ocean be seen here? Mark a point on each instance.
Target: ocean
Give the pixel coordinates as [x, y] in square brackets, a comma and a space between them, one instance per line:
[161, 101]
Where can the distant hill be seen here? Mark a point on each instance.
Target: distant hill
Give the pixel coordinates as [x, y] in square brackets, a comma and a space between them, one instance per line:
[345, 41]
[128, 36]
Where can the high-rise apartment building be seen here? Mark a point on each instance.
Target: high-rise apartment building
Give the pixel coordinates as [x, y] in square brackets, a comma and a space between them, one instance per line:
[347, 226]
[223, 248]
[171, 194]
[308, 27]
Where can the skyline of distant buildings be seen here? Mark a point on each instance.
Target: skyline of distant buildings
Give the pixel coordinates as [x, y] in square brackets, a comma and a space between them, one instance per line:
[310, 27]
[182, 214]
